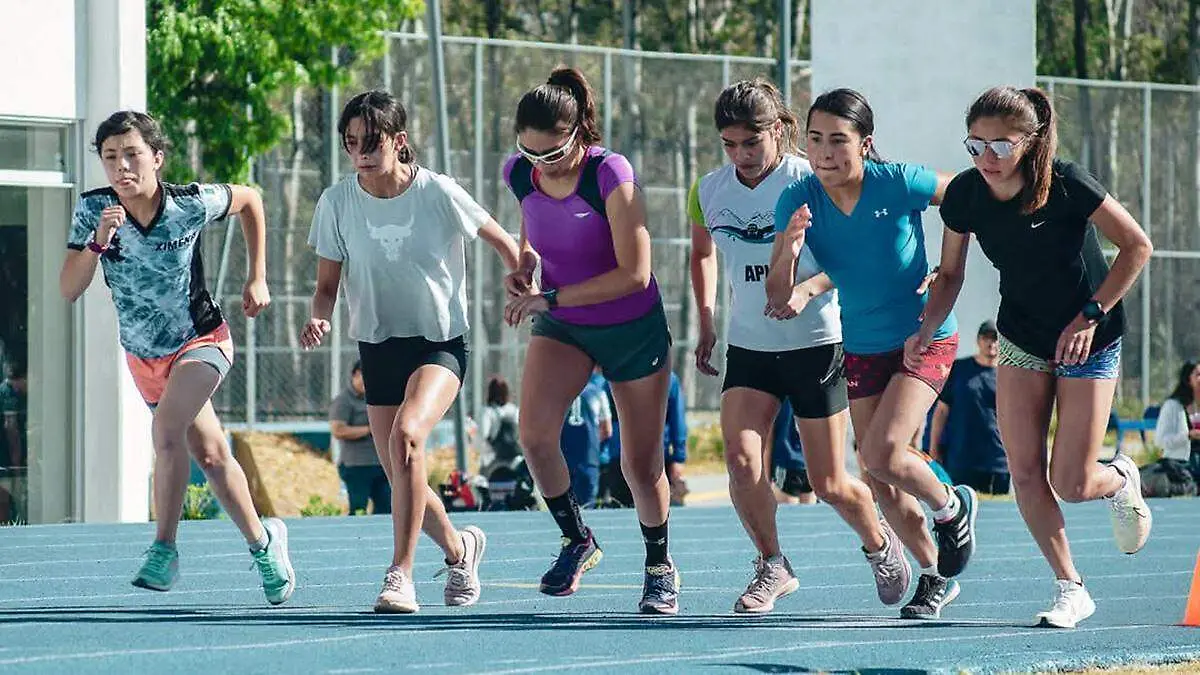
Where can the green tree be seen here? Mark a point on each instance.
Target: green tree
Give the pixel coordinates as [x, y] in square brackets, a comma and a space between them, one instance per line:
[217, 70]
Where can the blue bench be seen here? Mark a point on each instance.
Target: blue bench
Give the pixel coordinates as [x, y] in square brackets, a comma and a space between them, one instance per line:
[1147, 423]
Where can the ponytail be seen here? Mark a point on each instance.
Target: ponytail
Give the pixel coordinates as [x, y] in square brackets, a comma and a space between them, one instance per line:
[565, 101]
[1027, 111]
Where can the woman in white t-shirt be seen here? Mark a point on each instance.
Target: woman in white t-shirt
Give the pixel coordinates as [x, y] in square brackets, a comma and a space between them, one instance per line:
[1177, 431]
[793, 355]
[395, 235]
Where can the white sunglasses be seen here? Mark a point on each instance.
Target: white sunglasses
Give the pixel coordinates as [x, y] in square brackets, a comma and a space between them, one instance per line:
[551, 156]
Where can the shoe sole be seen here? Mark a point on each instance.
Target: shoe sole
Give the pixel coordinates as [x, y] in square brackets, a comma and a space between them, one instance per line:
[140, 583]
[1047, 622]
[592, 561]
[971, 514]
[1135, 484]
[670, 610]
[397, 609]
[951, 593]
[480, 546]
[287, 562]
[788, 588]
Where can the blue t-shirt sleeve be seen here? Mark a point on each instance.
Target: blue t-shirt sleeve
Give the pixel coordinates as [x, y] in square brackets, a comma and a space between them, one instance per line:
[84, 221]
[920, 183]
[216, 198]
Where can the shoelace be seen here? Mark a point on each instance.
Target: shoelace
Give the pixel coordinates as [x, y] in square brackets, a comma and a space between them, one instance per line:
[394, 580]
[460, 577]
[158, 560]
[885, 570]
[925, 592]
[566, 557]
[266, 567]
[760, 585]
[660, 580]
[1062, 601]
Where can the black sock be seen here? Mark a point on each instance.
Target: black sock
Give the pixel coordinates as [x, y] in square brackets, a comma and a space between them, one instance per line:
[656, 543]
[566, 513]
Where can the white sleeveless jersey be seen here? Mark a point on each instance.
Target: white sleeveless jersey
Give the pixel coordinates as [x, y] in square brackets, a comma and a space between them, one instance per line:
[741, 221]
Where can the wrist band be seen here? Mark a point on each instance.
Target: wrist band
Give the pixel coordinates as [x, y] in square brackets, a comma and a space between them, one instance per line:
[96, 248]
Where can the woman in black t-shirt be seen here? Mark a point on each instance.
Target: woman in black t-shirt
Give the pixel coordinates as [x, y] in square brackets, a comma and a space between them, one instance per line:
[1060, 321]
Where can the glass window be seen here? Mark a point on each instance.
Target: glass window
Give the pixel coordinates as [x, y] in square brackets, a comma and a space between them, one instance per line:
[33, 148]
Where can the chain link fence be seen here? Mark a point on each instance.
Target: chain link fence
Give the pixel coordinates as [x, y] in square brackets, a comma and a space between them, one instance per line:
[656, 108]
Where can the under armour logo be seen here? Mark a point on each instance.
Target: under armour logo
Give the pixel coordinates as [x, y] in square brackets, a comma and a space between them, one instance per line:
[881, 213]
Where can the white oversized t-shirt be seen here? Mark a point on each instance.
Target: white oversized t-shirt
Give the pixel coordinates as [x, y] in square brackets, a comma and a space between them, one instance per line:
[741, 221]
[404, 258]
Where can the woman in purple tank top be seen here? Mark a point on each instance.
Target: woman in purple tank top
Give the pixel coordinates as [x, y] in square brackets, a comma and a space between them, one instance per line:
[596, 303]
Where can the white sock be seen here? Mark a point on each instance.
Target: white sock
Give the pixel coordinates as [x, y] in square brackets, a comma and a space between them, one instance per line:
[931, 570]
[950, 509]
[262, 542]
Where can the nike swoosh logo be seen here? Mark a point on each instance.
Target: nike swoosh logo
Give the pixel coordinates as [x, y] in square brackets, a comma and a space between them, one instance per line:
[1037, 225]
[585, 214]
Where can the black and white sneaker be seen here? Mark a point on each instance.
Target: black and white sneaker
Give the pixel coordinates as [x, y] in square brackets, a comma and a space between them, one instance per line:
[933, 593]
[956, 537]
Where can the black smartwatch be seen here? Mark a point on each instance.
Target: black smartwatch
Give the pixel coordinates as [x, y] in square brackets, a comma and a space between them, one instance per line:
[1092, 311]
[551, 296]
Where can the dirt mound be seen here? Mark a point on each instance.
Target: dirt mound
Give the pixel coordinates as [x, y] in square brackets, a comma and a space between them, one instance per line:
[285, 473]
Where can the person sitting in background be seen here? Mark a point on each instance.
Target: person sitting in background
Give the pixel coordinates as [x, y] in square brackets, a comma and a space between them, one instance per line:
[498, 432]
[964, 435]
[791, 484]
[358, 463]
[588, 424]
[1178, 429]
[14, 409]
[675, 439]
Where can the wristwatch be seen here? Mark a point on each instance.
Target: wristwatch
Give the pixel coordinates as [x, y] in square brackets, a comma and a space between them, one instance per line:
[96, 248]
[551, 296]
[1092, 311]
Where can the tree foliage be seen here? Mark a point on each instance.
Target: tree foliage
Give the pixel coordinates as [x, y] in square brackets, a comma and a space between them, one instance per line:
[216, 70]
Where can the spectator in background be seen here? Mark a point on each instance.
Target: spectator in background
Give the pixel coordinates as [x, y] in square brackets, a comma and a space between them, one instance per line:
[498, 431]
[589, 422]
[614, 489]
[14, 411]
[358, 464]
[675, 438]
[965, 436]
[1178, 429]
[787, 459]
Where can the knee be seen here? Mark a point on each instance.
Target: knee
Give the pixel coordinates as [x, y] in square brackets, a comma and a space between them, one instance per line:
[209, 454]
[641, 470]
[831, 490]
[168, 438]
[538, 439]
[406, 443]
[740, 466]
[882, 458]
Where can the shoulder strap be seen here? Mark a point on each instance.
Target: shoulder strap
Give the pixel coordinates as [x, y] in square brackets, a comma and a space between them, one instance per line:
[589, 183]
[520, 179]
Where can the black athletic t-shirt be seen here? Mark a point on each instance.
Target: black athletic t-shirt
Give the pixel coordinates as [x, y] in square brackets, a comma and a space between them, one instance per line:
[1050, 261]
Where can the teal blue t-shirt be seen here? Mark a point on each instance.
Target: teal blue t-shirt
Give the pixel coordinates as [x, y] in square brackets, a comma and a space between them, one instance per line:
[875, 256]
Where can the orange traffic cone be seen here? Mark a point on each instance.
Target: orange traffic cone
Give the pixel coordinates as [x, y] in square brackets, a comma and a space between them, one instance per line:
[1191, 615]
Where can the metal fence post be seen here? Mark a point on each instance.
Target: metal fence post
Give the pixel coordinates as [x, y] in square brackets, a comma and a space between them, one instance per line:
[478, 343]
[1147, 289]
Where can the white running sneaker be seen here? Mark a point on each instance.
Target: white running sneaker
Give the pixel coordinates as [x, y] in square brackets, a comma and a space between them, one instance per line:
[1131, 517]
[398, 596]
[462, 582]
[772, 581]
[1072, 604]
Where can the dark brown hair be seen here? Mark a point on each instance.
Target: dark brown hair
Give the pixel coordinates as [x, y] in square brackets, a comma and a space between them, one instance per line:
[566, 99]
[851, 106]
[124, 121]
[757, 104]
[497, 390]
[382, 115]
[1028, 111]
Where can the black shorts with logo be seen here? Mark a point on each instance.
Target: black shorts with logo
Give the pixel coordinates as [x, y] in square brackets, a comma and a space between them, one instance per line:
[812, 379]
[625, 351]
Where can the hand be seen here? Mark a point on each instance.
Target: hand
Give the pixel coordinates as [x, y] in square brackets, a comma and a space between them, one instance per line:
[524, 307]
[704, 347]
[1194, 434]
[313, 331]
[255, 297]
[111, 220]
[799, 222]
[519, 284]
[914, 349]
[795, 304]
[1075, 342]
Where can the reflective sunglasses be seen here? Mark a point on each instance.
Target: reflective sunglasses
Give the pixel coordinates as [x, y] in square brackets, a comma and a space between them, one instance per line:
[551, 156]
[1002, 149]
